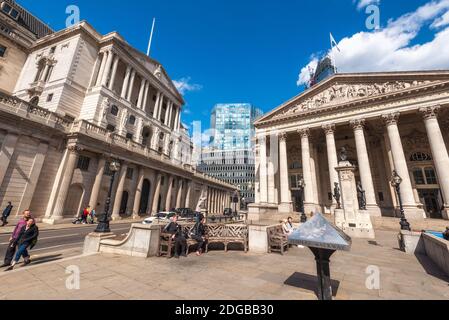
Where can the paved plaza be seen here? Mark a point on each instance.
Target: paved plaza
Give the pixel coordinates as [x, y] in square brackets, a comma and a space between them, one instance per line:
[234, 276]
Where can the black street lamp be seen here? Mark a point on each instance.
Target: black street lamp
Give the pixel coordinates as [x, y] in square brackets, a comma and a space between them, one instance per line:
[235, 201]
[396, 181]
[103, 225]
[302, 185]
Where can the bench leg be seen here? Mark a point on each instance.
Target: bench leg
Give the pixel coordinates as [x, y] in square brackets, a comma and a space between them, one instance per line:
[226, 247]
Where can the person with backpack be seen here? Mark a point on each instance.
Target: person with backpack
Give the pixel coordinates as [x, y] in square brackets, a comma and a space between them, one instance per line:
[199, 234]
[27, 239]
[12, 245]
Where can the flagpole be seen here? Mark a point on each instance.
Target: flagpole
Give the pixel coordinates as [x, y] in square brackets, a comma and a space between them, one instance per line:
[151, 38]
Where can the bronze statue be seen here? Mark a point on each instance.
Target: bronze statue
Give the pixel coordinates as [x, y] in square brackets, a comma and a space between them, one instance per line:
[337, 195]
[361, 195]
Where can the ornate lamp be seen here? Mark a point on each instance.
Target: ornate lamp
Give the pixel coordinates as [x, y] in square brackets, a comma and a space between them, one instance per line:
[302, 185]
[103, 225]
[396, 181]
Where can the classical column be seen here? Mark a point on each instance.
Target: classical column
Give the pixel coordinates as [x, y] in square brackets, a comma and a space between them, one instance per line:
[169, 193]
[138, 193]
[286, 196]
[102, 66]
[131, 85]
[6, 153]
[119, 192]
[439, 152]
[157, 193]
[179, 195]
[401, 168]
[107, 69]
[156, 105]
[263, 179]
[61, 197]
[33, 177]
[126, 82]
[365, 167]
[329, 130]
[114, 73]
[307, 174]
[170, 115]
[97, 183]
[159, 109]
[145, 95]
[189, 195]
[141, 92]
[167, 114]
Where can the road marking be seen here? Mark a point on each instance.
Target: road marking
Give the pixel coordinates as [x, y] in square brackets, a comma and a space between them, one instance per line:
[47, 238]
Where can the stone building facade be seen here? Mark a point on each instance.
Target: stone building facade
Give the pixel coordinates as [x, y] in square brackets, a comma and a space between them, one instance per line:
[385, 121]
[81, 101]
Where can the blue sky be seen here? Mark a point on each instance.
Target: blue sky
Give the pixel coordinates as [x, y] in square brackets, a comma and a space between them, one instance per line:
[255, 50]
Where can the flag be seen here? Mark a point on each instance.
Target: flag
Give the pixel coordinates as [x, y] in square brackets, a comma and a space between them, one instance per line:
[334, 43]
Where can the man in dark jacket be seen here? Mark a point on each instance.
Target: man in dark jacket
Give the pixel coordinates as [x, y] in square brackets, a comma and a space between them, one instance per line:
[12, 246]
[6, 214]
[199, 234]
[175, 230]
[27, 239]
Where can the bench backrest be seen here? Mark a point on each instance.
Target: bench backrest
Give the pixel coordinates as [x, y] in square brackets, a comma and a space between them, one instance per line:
[275, 230]
[219, 230]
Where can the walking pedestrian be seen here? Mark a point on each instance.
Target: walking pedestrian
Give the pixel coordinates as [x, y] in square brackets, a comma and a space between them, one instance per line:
[27, 239]
[6, 213]
[12, 246]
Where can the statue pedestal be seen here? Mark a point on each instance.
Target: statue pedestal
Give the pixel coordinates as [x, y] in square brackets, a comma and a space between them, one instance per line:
[354, 222]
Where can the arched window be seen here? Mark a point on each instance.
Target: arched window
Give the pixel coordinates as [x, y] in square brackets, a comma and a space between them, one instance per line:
[420, 156]
[132, 120]
[114, 110]
[34, 101]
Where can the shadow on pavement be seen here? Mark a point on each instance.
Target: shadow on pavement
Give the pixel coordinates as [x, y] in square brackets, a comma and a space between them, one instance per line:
[45, 259]
[431, 268]
[309, 282]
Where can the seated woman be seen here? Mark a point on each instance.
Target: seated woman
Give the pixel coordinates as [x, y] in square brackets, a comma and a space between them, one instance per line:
[288, 226]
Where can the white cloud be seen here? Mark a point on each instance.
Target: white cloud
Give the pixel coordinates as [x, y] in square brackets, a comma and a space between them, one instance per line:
[365, 3]
[390, 48]
[183, 85]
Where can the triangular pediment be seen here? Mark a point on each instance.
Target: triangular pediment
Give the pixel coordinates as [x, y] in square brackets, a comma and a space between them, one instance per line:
[341, 89]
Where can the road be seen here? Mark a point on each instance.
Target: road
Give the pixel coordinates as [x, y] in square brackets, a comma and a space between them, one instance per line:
[62, 243]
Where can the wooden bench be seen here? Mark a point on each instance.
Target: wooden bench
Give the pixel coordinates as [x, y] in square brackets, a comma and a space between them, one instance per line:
[277, 239]
[215, 233]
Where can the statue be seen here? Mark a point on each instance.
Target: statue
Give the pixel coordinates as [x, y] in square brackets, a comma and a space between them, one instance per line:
[361, 196]
[343, 154]
[337, 195]
[201, 206]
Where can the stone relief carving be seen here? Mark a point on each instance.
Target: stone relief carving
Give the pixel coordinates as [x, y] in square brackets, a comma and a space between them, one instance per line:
[158, 72]
[340, 93]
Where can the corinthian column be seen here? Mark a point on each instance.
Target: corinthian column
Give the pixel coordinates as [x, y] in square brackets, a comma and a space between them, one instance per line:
[364, 167]
[307, 173]
[179, 195]
[329, 130]
[263, 179]
[169, 194]
[286, 197]
[439, 152]
[119, 193]
[107, 69]
[400, 164]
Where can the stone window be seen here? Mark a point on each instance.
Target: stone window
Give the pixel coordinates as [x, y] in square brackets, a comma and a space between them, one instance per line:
[10, 11]
[50, 97]
[132, 120]
[114, 110]
[129, 136]
[431, 177]
[425, 176]
[53, 50]
[2, 51]
[110, 128]
[83, 163]
[129, 173]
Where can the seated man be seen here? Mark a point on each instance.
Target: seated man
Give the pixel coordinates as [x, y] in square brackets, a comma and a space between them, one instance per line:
[446, 234]
[178, 237]
[199, 234]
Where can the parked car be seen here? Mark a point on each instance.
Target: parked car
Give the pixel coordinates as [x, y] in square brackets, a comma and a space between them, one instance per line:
[186, 213]
[159, 217]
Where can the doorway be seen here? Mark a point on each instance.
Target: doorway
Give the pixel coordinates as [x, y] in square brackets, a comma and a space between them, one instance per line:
[432, 202]
[145, 197]
[124, 204]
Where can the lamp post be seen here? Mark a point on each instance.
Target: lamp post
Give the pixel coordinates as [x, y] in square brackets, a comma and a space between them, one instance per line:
[302, 185]
[396, 181]
[103, 225]
[235, 200]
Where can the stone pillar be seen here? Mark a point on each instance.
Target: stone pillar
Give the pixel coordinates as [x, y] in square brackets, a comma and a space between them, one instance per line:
[156, 105]
[6, 153]
[365, 167]
[169, 193]
[167, 113]
[400, 164]
[138, 193]
[179, 194]
[33, 177]
[126, 82]
[286, 196]
[189, 195]
[119, 192]
[102, 66]
[329, 130]
[145, 95]
[159, 109]
[141, 92]
[131, 85]
[170, 115]
[439, 153]
[114, 73]
[157, 193]
[97, 183]
[307, 174]
[107, 69]
[263, 178]
[72, 159]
